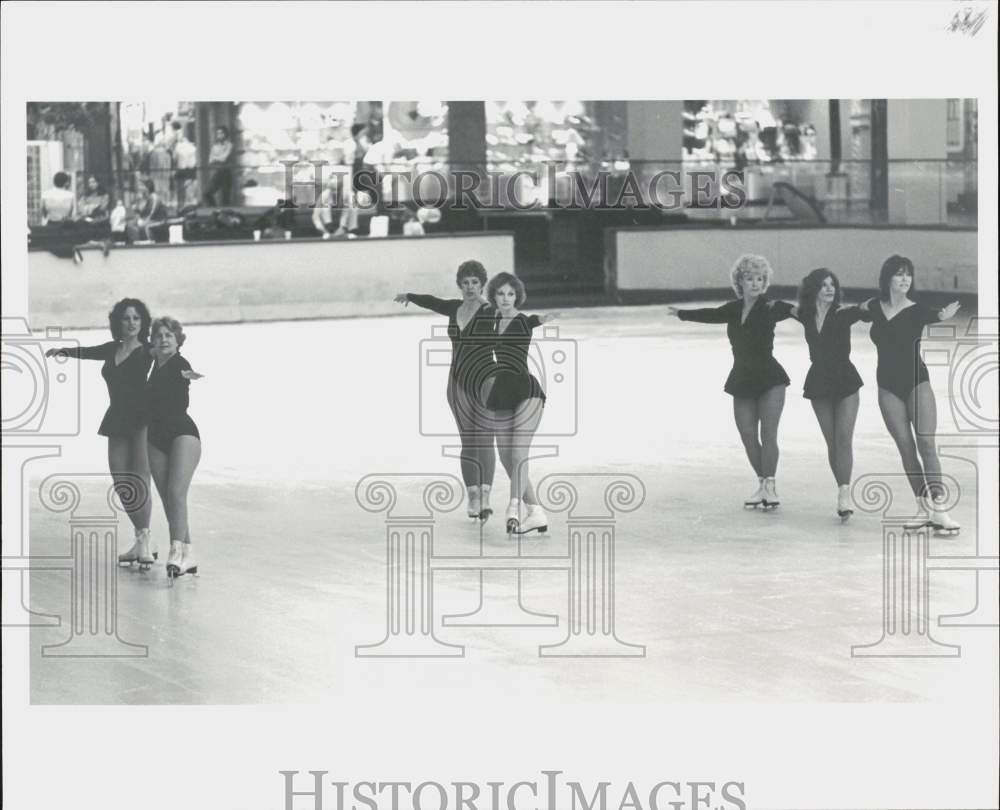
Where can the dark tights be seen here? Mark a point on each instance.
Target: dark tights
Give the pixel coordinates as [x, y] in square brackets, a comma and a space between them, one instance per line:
[912, 425]
[478, 457]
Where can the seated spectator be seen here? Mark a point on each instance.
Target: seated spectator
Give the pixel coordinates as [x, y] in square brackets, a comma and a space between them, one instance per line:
[150, 212]
[58, 203]
[94, 206]
[118, 220]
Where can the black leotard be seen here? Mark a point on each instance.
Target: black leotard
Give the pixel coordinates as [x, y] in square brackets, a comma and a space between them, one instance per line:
[832, 375]
[513, 382]
[471, 347]
[168, 402]
[126, 386]
[754, 368]
[897, 341]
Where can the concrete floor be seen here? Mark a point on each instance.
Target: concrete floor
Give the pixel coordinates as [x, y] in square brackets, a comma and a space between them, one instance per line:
[730, 605]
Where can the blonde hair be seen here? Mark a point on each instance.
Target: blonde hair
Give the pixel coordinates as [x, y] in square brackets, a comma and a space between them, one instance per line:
[750, 263]
[172, 326]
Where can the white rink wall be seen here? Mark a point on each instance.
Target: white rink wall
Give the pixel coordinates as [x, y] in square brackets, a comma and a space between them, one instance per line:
[226, 282]
[700, 258]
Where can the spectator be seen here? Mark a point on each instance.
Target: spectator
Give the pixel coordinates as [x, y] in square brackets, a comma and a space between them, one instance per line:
[364, 176]
[185, 167]
[58, 203]
[150, 211]
[118, 220]
[160, 165]
[412, 226]
[219, 159]
[93, 212]
[334, 196]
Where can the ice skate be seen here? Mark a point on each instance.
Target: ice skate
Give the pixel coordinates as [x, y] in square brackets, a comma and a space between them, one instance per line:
[475, 503]
[757, 498]
[514, 516]
[187, 563]
[535, 521]
[174, 560]
[770, 499]
[485, 510]
[130, 556]
[941, 521]
[145, 551]
[920, 518]
[844, 506]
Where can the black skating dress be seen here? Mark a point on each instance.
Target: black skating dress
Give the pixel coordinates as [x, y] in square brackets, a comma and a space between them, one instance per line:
[471, 351]
[513, 382]
[754, 368]
[832, 375]
[897, 342]
[168, 403]
[126, 381]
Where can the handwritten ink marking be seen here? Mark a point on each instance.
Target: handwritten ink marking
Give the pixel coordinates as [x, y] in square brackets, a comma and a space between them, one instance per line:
[967, 21]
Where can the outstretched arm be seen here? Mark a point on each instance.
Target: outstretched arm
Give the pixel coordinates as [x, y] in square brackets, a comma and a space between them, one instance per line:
[438, 305]
[702, 315]
[81, 352]
[948, 312]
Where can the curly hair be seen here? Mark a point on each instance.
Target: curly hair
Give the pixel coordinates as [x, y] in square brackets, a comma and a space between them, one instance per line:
[172, 326]
[118, 312]
[749, 263]
[810, 287]
[499, 280]
[890, 267]
[471, 268]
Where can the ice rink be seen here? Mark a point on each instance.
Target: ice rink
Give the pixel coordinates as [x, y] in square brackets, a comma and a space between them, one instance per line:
[730, 605]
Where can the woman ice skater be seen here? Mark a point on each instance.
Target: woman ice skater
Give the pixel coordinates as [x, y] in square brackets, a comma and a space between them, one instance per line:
[516, 399]
[471, 328]
[126, 363]
[757, 381]
[905, 396]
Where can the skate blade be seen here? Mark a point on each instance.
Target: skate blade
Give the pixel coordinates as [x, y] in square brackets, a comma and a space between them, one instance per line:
[751, 504]
[485, 515]
[512, 526]
[913, 527]
[945, 531]
[539, 529]
[770, 506]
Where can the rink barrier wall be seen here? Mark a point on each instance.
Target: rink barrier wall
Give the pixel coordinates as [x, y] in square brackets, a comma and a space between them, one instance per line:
[646, 265]
[232, 282]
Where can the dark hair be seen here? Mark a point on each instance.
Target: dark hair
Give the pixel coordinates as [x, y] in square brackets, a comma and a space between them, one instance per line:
[61, 180]
[499, 280]
[224, 129]
[810, 288]
[890, 267]
[100, 185]
[149, 186]
[471, 268]
[357, 128]
[118, 312]
[176, 125]
[173, 326]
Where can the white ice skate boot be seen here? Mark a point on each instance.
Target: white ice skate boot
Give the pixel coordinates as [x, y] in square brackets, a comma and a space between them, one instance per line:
[514, 516]
[845, 508]
[940, 520]
[174, 559]
[475, 500]
[132, 555]
[757, 498]
[485, 510]
[144, 547]
[187, 563]
[535, 521]
[770, 499]
[920, 518]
